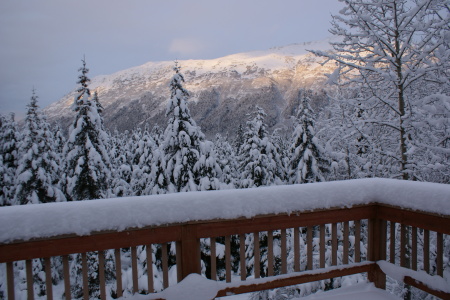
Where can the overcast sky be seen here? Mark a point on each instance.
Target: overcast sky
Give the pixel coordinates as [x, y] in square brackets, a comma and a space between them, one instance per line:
[42, 42]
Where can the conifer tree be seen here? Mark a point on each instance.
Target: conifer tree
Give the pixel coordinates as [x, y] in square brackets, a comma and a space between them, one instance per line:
[143, 154]
[207, 168]
[9, 137]
[120, 155]
[159, 183]
[227, 160]
[239, 138]
[259, 162]
[182, 139]
[87, 160]
[307, 161]
[38, 170]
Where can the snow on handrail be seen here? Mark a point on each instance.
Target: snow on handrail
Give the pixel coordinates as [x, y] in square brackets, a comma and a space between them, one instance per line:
[117, 214]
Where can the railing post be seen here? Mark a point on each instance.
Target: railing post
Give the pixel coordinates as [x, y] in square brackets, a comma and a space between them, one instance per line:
[377, 249]
[190, 250]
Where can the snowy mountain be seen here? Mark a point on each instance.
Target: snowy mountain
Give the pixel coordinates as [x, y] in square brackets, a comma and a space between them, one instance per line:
[223, 90]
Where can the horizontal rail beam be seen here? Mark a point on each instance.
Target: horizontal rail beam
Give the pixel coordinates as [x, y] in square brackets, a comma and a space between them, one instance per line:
[83, 244]
[420, 285]
[265, 223]
[415, 218]
[298, 279]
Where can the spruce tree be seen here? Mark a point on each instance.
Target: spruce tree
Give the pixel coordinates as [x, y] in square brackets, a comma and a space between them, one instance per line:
[226, 157]
[207, 168]
[87, 160]
[182, 139]
[143, 154]
[38, 170]
[259, 162]
[307, 161]
[120, 154]
[9, 137]
[239, 138]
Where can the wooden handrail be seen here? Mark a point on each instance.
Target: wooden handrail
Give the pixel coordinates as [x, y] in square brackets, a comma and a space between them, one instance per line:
[187, 238]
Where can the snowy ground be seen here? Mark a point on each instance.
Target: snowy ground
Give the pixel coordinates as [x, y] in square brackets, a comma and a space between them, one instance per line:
[360, 291]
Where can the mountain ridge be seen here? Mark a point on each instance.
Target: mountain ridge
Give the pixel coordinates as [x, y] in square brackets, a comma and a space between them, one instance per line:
[223, 90]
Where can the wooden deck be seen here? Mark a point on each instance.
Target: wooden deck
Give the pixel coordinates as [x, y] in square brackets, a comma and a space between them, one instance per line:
[377, 224]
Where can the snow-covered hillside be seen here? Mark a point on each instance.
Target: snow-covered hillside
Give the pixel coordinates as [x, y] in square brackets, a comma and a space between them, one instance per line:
[223, 90]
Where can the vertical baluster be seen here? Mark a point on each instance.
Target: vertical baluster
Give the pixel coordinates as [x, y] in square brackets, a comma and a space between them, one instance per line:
[256, 254]
[357, 241]
[270, 253]
[322, 246]
[346, 243]
[118, 272]
[376, 250]
[334, 244]
[66, 271]
[149, 254]
[309, 242]
[283, 252]
[29, 271]
[439, 254]
[101, 273]
[383, 226]
[296, 249]
[48, 278]
[414, 248]
[165, 265]
[403, 238]
[84, 268]
[10, 279]
[426, 251]
[213, 258]
[392, 244]
[179, 261]
[134, 271]
[242, 256]
[228, 258]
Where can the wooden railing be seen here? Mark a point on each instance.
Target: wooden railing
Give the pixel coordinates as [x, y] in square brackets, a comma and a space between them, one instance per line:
[342, 237]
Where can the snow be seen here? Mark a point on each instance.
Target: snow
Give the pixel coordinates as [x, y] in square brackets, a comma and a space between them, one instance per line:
[366, 291]
[196, 287]
[398, 273]
[84, 217]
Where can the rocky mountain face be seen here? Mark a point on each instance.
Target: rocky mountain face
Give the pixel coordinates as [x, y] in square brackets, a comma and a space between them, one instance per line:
[223, 91]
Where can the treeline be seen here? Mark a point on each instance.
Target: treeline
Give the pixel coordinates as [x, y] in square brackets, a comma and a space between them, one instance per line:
[39, 165]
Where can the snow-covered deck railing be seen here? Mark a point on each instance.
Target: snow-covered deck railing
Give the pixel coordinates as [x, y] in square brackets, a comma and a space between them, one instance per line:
[299, 228]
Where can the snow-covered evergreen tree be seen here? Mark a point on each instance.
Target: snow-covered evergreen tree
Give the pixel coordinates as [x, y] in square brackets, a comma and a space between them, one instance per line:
[159, 183]
[120, 155]
[9, 137]
[207, 168]
[182, 139]
[87, 161]
[60, 141]
[259, 162]
[239, 138]
[307, 161]
[38, 171]
[143, 154]
[227, 160]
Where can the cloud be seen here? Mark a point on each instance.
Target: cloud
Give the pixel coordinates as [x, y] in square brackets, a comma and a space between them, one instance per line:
[187, 47]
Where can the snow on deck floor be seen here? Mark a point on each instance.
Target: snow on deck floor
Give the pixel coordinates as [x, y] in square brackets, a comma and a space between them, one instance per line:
[366, 291]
